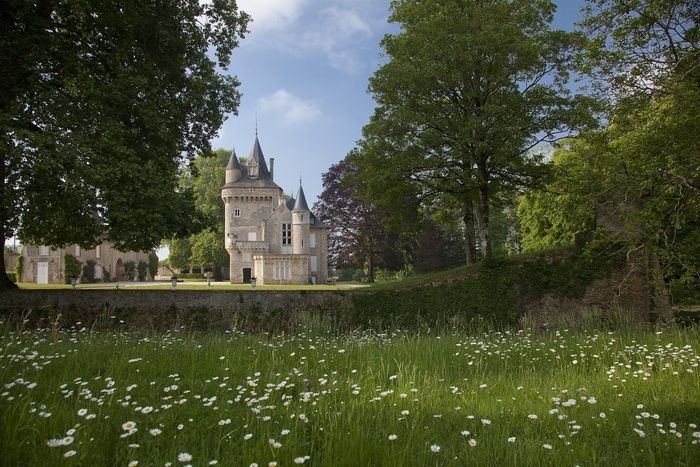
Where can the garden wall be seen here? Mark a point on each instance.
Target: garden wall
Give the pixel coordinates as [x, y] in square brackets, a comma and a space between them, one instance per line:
[556, 287]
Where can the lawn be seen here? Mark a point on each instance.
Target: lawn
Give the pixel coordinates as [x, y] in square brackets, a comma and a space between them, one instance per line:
[190, 285]
[501, 399]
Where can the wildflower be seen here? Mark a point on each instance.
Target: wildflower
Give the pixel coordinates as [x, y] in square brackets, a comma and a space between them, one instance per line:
[67, 440]
[511, 439]
[133, 463]
[392, 437]
[70, 453]
[54, 443]
[405, 412]
[128, 426]
[485, 421]
[147, 410]
[275, 444]
[134, 446]
[639, 432]
[82, 412]
[472, 442]
[434, 448]
[184, 457]
[154, 431]
[465, 433]
[547, 446]
[301, 460]
[602, 414]
[213, 462]
[248, 436]
[532, 416]
[284, 432]
[272, 464]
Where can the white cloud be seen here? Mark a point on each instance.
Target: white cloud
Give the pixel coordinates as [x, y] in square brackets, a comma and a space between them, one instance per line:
[292, 109]
[271, 14]
[336, 34]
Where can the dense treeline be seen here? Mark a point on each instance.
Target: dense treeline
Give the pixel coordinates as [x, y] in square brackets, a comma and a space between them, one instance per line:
[479, 133]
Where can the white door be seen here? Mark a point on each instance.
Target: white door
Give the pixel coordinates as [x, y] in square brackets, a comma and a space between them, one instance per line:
[42, 272]
[98, 272]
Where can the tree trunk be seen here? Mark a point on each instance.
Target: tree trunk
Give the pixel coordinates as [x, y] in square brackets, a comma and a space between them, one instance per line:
[469, 231]
[370, 266]
[483, 224]
[5, 282]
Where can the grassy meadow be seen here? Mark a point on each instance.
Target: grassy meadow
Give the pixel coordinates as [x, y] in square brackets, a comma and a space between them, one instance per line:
[491, 398]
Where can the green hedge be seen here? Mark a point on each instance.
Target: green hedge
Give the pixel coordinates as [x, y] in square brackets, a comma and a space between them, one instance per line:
[493, 291]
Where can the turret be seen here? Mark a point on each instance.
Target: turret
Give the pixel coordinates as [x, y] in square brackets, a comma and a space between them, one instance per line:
[301, 222]
[233, 169]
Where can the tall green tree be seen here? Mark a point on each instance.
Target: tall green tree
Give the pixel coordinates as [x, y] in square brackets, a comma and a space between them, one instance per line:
[470, 88]
[208, 251]
[99, 103]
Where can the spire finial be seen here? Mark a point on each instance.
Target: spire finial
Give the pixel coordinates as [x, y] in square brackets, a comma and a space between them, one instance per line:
[256, 120]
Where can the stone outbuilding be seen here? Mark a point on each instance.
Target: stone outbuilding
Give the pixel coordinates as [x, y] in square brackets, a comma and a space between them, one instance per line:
[46, 265]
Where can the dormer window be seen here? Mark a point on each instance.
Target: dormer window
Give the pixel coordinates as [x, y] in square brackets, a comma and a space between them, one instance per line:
[253, 171]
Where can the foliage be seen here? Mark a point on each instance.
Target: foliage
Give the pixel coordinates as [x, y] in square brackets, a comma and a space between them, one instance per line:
[153, 264]
[88, 273]
[11, 276]
[19, 268]
[142, 270]
[180, 253]
[356, 235]
[72, 268]
[493, 291]
[469, 89]
[640, 47]
[129, 269]
[551, 217]
[99, 101]
[208, 251]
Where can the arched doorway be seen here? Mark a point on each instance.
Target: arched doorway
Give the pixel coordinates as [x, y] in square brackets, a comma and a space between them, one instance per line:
[119, 273]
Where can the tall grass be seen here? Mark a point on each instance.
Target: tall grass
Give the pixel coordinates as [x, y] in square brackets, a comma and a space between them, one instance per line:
[449, 399]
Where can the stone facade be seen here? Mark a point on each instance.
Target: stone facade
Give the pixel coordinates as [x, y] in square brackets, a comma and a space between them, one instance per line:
[45, 265]
[269, 237]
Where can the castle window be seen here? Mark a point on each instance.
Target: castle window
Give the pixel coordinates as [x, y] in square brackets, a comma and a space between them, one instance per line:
[44, 250]
[253, 171]
[314, 263]
[77, 251]
[98, 251]
[286, 234]
[236, 213]
[312, 241]
[281, 270]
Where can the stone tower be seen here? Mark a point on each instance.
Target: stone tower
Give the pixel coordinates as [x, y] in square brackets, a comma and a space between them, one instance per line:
[301, 223]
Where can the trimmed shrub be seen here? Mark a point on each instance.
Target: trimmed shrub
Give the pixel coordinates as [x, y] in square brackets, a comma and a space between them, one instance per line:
[142, 270]
[152, 265]
[129, 268]
[71, 269]
[19, 268]
[88, 276]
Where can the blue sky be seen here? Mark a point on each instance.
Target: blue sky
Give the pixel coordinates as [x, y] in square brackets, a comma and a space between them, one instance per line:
[305, 66]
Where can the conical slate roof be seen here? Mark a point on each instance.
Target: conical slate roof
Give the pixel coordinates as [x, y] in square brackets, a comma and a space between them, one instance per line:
[233, 163]
[300, 204]
[257, 156]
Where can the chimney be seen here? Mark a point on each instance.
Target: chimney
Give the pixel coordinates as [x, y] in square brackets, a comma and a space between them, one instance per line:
[272, 168]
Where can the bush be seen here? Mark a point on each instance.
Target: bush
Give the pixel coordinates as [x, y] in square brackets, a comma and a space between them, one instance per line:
[11, 276]
[153, 265]
[129, 268]
[142, 270]
[358, 275]
[72, 268]
[19, 268]
[493, 292]
[88, 276]
[191, 276]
